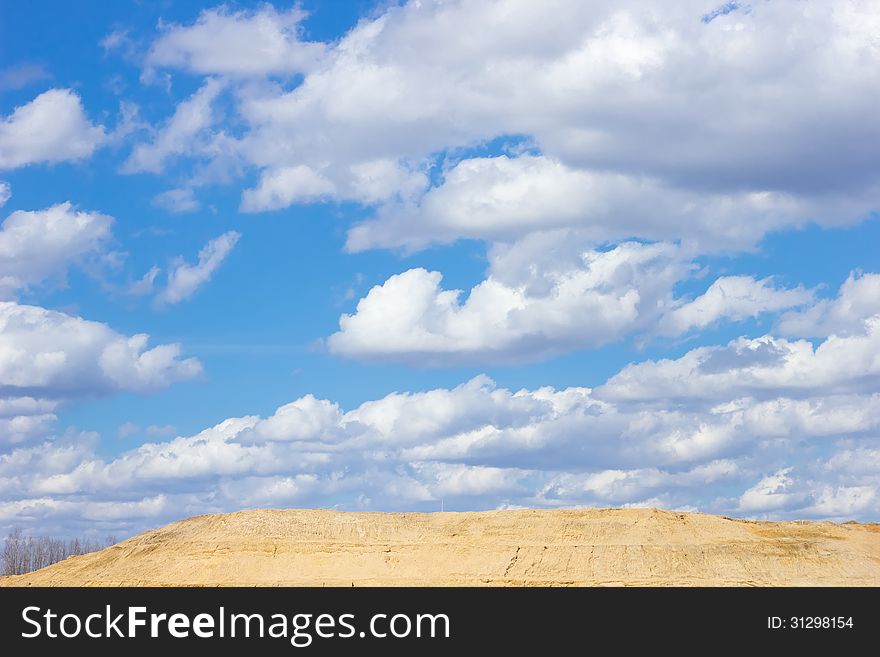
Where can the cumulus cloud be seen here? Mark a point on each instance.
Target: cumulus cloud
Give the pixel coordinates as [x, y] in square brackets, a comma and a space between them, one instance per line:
[760, 367]
[38, 245]
[367, 182]
[731, 297]
[185, 279]
[19, 429]
[184, 133]
[545, 294]
[596, 90]
[236, 43]
[475, 446]
[282, 187]
[59, 356]
[857, 299]
[769, 494]
[786, 438]
[53, 127]
[502, 198]
[652, 135]
[603, 296]
[48, 358]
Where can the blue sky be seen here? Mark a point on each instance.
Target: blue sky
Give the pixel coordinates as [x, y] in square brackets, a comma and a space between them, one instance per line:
[662, 230]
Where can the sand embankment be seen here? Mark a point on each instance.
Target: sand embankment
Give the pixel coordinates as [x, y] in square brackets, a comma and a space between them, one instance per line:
[508, 548]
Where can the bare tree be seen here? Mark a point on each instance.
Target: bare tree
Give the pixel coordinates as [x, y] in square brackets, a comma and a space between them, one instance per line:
[25, 554]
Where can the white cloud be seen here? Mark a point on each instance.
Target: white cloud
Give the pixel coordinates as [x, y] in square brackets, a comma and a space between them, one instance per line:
[51, 128]
[622, 486]
[545, 294]
[597, 89]
[185, 133]
[628, 123]
[367, 182]
[58, 356]
[184, 279]
[91, 513]
[764, 428]
[473, 446]
[857, 299]
[48, 358]
[177, 201]
[25, 419]
[599, 298]
[25, 428]
[768, 494]
[35, 246]
[761, 367]
[236, 43]
[502, 198]
[282, 187]
[626, 150]
[731, 297]
[5, 192]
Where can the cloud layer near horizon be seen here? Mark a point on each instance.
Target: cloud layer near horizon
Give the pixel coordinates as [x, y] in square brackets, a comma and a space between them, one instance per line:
[766, 427]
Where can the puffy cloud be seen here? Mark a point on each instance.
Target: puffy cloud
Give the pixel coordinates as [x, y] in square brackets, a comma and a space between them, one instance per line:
[762, 366]
[236, 43]
[763, 428]
[769, 494]
[604, 296]
[53, 127]
[621, 123]
[58, 356]
[480, 446]
[622, 486]
[48, 358]
[502, 198]
[545, 294]
[282, 187]
[367, 182]
[785, 442]
[91, 514]
[627, 149]
[857, 299]
[38, 245]
[731, 297]
[185, 133]
[596, 89]
[25, 428]
[184, 279]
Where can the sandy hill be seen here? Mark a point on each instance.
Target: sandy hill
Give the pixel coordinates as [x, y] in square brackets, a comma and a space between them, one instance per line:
[523, 547]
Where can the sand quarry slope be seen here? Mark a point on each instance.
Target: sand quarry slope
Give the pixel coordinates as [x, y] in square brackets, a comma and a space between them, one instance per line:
[523, 547]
